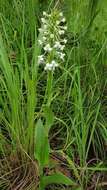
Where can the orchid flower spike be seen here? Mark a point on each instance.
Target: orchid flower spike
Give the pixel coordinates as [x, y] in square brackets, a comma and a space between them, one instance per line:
[52, 40]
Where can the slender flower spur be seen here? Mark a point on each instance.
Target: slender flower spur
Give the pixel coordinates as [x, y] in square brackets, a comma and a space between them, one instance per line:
[52, 40]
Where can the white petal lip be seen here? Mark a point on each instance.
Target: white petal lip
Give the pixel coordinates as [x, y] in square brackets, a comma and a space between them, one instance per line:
[40, 42]
[61, 32]
[57, 45]
[40, 30]
[45, 32]
[53, 62]
[62, 55]
[48, 67]
[48, 48]
[44, 13]
[63, 20]
[44, 38]
[40, 59]
[43, 20]
[65, 27]
[61, 14]
[45, 26]
[65, 41]
[62, 47]
[57, 22]
[51, 66]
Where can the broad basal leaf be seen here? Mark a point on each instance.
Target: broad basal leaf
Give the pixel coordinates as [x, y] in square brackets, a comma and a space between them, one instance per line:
[57, 178]
[41, 144]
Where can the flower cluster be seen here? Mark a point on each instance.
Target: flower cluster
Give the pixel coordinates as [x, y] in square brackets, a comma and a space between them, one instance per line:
[52, 39]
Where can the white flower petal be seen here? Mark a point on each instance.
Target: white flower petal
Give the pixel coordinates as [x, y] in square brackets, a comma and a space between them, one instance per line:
[63, 20]
[57, 22]
[44, 38]
[48, 48]
[61, 14]
[40, 42]
[61, 32]
[44, 13]
[40, 59]
[43, 20]
[65, 27]
[65, 41]
[40, 30]
[45, 26]
[57, 45]
[62, 55]
[62, 47]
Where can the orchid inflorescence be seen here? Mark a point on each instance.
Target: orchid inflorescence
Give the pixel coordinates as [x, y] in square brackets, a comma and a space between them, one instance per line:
[52, 40]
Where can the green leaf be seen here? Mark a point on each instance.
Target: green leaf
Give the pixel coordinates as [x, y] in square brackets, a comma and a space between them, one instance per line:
[57, 178]
[42, 147]
[49, 116]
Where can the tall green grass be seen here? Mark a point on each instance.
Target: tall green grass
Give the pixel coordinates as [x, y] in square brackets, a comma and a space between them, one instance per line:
[78, 98]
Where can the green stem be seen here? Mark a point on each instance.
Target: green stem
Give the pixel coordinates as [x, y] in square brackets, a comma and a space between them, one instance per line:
[48, 92]
[49, 88]
[41, 175]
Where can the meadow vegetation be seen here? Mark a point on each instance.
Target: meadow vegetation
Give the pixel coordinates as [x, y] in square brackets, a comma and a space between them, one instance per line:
[53, 123]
